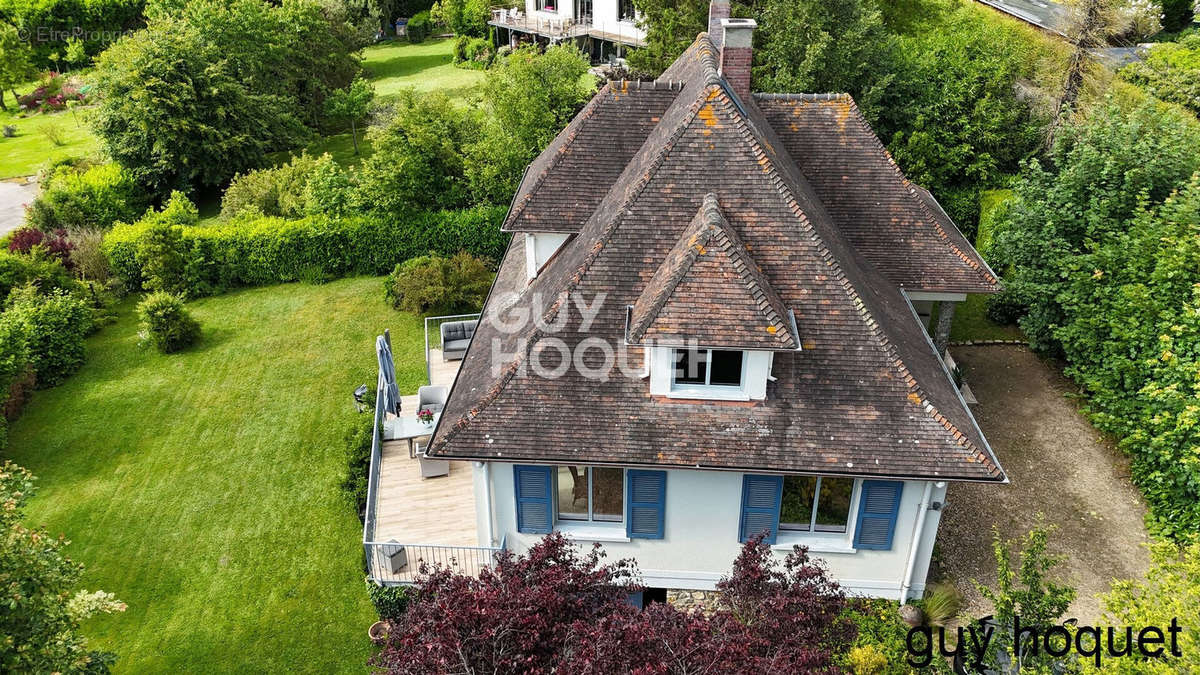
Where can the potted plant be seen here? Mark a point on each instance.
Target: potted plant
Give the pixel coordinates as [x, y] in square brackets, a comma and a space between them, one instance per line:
[378, 632]
[426, 417]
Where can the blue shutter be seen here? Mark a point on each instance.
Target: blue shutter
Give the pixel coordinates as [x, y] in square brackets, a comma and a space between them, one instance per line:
[534, 510]
[646, 493]
[877, 508]
[760, 506]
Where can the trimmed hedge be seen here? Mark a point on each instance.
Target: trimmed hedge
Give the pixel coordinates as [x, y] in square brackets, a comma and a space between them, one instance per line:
[267, 250]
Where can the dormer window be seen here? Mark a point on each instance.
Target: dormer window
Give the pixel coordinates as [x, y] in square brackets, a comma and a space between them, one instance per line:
[709, 373]
[707, 368]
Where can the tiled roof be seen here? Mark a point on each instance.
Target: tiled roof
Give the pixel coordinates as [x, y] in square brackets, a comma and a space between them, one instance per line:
[564, 184]
[866, 395]
[709, 289]
[888, 219]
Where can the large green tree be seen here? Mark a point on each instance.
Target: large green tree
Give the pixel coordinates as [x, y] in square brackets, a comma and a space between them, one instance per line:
[824, 46]
[206, 90]
[39, 626]
[47, 25]
[671, 25]
[527, 99]
[15, 64]
[418, 158]
[953, 118]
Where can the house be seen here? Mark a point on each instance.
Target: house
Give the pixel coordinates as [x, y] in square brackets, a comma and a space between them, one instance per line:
[714, 321]
[603, 29]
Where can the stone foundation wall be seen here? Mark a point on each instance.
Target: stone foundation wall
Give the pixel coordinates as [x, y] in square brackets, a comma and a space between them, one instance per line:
[705, 601]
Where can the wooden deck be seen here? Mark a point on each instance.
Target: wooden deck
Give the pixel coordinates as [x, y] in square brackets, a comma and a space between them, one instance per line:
[414, 510]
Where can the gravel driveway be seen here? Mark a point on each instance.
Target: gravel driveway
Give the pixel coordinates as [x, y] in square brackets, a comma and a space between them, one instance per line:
[1059, 465]
[13, 198]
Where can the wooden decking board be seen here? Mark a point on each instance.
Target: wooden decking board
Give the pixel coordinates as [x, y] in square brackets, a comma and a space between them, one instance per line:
[414, 510]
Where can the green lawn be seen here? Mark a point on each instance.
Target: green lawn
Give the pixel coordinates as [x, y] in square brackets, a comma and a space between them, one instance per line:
[31, 146]
[203, 488]
[425, 67]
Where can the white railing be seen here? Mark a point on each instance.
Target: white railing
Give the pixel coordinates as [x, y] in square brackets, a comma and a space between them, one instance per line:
[436, 322]
[396, 563]
[390, 562]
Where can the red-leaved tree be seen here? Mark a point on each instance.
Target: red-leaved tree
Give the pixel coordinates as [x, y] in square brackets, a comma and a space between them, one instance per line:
[554, 610]
[57, 245]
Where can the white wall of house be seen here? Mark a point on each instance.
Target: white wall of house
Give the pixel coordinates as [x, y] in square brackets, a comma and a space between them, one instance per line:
[700, 539]
[539, 246]
[605, 18]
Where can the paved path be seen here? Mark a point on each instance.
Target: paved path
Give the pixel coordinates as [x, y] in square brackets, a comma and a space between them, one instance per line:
[13, 198]
[1059, 465]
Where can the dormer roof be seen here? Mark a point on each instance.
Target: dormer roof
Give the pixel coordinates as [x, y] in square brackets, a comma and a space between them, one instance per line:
[708, 291]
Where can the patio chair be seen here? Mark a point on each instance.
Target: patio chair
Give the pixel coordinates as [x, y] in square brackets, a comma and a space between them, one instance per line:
[432, 398]
[432, 467]
[456, 337]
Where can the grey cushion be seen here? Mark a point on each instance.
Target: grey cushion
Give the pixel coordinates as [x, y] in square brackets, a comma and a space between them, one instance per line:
[432, 398]
[457, 330]
[456, 345]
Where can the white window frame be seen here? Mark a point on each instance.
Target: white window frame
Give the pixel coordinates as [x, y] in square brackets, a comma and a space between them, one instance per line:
[822, 542]
[707, 385]
[756, 367]
[595, 530]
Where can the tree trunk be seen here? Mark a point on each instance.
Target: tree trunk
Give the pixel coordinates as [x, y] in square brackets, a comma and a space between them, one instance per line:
[354, 136]
[2, 105]
[1090, 34]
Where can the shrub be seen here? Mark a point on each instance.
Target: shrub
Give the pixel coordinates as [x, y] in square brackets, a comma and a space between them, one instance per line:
[87, 255]
[24, 239]
[55, 326]
[358, 460]
[43, 614]
[165, 323]
[270, 192]
[867, 660]
[51, 94]
[1169, 592]
[431, 284]
[38, 268]
[419, 156]
[1170, 71]
[263, 251]
[16, 374]
[941, 604]
[327, 191]
[881, 632]
[419, 27]
[73, 197]
[390, 601]
[553, 609]
[160, 250]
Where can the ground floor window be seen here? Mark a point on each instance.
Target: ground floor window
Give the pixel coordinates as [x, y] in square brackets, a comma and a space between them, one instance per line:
[591, 494]
[815, 504]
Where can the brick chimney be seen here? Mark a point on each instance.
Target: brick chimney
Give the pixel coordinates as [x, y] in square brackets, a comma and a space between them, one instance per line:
[717, 10]
[736, 51]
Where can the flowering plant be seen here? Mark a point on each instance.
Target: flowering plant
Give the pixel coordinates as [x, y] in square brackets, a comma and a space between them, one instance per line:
[426, 415]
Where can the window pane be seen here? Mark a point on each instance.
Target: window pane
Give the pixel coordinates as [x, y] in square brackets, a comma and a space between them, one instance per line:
[726, 368]
[795, 511]
[608, 494]
[572, 493]
[833, 509]
[690, 366]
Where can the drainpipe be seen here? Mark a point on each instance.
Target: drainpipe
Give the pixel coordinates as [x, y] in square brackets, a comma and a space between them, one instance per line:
[487, 502]
[922, 516]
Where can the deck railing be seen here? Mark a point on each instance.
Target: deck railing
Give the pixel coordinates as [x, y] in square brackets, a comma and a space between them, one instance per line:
[434, 340]
[396, 563]
[391, 562]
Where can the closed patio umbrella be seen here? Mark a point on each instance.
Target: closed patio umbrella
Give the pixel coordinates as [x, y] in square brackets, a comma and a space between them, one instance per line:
[387, 371]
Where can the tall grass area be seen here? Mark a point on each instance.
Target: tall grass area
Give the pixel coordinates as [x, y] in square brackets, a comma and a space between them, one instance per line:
[202, 488]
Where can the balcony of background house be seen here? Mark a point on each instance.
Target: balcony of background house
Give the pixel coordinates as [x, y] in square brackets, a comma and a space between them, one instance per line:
[420, 509]
[574, 19]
